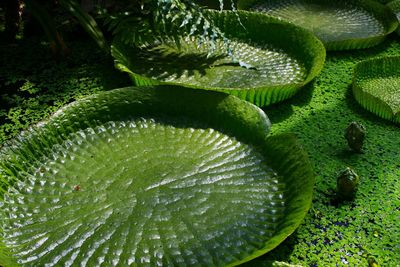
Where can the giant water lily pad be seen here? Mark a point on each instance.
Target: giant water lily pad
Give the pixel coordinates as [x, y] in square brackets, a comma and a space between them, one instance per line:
[395, 7]
[340, 24]
[150, 177]
[272, 59]
[376, 86]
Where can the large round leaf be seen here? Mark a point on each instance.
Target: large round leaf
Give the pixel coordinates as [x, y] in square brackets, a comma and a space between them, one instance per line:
[340, 24]
[395, 7]
[376, 86]
[150, 176]
[272, 59]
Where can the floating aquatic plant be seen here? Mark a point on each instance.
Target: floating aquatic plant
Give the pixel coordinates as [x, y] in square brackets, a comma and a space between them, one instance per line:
[376, 86]
[339, 24]
[157, 176]
[265, 66]
[395, 7]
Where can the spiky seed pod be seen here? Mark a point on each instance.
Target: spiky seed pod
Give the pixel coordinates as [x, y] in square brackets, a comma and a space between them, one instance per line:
[355, 135]
[347, 184]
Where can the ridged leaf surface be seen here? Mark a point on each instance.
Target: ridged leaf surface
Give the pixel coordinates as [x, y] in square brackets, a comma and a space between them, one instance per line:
[267, 65]
[189, 64]
[339, 24]
[141, 176]
[395, 7]
[376, 86]
[138, 192]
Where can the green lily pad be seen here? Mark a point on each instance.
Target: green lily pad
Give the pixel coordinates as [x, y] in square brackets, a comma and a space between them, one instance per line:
[395, 7]
[147, 176]
[340, 24]
[272, 59]
[376, 86]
